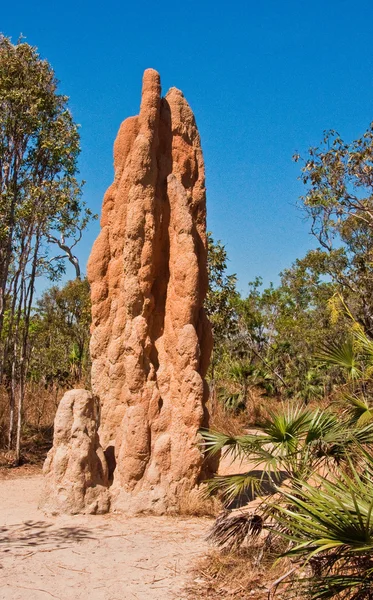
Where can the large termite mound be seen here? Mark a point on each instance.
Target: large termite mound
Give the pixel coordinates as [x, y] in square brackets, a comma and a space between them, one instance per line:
[151, 340]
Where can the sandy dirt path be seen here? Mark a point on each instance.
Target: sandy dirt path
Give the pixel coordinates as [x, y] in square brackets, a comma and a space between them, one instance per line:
[108, 557]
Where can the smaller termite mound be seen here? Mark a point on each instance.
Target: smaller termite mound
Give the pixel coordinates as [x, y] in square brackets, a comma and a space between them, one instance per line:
[76, 472]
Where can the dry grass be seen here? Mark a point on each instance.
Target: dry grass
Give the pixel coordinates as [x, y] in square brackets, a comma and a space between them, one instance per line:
[233, 423]
[195, 503]
[237, 575]
[35, 445]
[40, 407]
[257, 406]
[226, 421]
[24, 471]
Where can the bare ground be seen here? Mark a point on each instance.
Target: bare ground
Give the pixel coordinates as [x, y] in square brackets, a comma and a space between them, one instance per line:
[108, 557]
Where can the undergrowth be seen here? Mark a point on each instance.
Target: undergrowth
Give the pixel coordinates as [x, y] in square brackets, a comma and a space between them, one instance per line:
[237, 575]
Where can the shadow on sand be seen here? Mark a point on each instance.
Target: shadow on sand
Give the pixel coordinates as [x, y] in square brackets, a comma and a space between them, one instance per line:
[33, 534]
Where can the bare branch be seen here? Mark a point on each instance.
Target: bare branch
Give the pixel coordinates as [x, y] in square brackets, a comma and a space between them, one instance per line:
[67, 251]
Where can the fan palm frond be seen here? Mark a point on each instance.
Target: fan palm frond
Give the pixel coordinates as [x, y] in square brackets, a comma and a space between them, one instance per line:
[233, 486]
[341, 355]
[362, 435]
[329, 516]
[239, 446]
[232, 401]
[358, 409]
[241, 370]
[354, 586]
[285, 428]
[364, 343]
[322, 424]
[330, 527]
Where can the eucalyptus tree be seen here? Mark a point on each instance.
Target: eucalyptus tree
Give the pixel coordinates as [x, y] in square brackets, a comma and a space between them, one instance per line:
[60, 335]
[40, 201]
[221, 294]
[219, 305]
[339, 202]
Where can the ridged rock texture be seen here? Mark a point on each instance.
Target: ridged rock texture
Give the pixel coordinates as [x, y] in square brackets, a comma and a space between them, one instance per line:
[76, 473]
[151, 340]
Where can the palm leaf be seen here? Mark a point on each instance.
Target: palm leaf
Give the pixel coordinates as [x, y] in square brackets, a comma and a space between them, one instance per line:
[354, 586]
[241, 371]
[239, 446]
[362, 435]
[322, 424]
[233, 486]
[334, 516]
[341, 355]
[365, 344]
[358, 409]
[285, 428]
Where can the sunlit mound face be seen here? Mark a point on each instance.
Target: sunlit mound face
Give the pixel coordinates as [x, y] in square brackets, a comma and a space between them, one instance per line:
[151, 340]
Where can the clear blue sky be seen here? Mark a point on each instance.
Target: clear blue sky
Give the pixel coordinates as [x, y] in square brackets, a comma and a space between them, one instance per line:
[264, 80]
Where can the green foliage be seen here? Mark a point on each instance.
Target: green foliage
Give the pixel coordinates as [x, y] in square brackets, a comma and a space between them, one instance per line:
[342, 355]
[40, 205]
[358, 409]
[279, 330]
[326, 520]
[311, 388]
[219, 304]
[61, 320]
[233, 402]
[313, 335]
[330, 526]
[39, 147]
[275, 333]
[233, 486]
[293, 441]
[339, 201]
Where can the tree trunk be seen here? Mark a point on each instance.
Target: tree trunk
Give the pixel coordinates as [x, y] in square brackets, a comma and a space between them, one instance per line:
[21, 394]
[12, 395]
[26, 299]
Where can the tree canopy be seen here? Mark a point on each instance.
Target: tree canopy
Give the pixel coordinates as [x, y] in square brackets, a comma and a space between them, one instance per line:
[41, 208]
